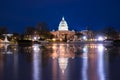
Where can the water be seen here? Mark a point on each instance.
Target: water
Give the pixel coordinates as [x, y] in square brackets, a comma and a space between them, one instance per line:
[59, 62]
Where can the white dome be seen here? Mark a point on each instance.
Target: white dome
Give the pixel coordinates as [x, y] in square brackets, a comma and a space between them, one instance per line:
[63, 25]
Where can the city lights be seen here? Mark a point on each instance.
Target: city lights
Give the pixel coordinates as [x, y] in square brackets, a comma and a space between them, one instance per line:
[100, 38]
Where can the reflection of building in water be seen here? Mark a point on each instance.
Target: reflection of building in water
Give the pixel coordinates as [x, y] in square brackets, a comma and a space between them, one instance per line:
[60, 52]
[1, 46]
[63, 62]
[63, 52]
[5, 51]
[63, 56]
[8, 49]
[92, 56]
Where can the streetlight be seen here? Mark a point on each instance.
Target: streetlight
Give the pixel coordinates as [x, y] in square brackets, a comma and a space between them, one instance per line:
[100, 38]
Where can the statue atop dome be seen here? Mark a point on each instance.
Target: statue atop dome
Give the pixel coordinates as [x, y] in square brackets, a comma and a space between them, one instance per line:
[63, 26]
[63, 18]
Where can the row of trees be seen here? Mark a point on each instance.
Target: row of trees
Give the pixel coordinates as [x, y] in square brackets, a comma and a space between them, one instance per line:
[42, 29]
[111, 33]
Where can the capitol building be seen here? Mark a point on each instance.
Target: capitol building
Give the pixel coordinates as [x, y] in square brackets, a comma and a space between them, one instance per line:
[63, 32]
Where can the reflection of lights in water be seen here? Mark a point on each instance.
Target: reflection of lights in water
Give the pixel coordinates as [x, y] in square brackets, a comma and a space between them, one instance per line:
[54, 47]
[93, 46]
[6, 45]
[84, 69]
[36, 47]
[36, 62]
[9, 52]
[100, 62]
[35, 38]
[54, 69]
[1, 45]
[54, 54]
[62, 50]
[100, 48]
[36, 66]
[16, 66]
[73, 57]
[63, 62]
[8, 49]
[85, 63]
[85, 51]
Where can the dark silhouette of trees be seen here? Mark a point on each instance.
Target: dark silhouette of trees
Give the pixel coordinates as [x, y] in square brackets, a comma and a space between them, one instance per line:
[16, 36]
[78, 34]
[111, 33]
[42, 26]
[43, 30]
[30, 30]
[3, 30]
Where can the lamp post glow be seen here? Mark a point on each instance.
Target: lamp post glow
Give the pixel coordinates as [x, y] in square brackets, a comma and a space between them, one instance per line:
[84, 38]
[35, 38]
[100, 38]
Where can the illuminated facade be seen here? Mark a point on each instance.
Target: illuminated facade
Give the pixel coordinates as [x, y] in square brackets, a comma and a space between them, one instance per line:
[63, 31]
[63, 26]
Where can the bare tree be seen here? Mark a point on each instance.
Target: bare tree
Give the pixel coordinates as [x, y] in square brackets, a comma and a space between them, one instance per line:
[111, 32]
[30, 30]
[3, 30]
[43, 30]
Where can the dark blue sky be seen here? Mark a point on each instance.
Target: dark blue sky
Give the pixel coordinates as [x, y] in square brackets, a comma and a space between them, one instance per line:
[17, 14]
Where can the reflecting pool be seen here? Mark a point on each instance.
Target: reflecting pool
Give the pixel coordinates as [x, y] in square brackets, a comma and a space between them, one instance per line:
[59, 61]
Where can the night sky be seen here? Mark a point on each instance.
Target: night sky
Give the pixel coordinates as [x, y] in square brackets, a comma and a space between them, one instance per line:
[16, 15]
